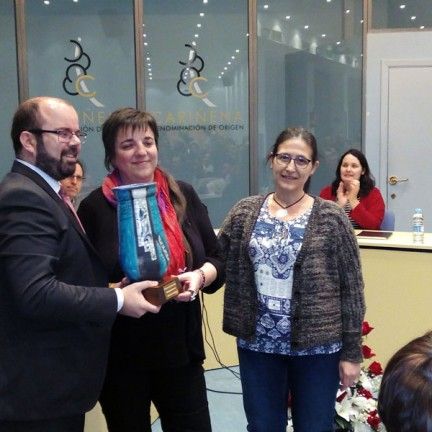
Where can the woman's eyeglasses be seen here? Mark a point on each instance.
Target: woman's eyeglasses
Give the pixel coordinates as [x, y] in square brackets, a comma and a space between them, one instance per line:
[284, 159]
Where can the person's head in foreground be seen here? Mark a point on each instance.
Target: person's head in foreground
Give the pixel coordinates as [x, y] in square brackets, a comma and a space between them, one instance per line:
[405, 398]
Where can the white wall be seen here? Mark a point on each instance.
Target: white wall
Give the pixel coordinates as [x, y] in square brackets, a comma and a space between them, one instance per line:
[387, 46]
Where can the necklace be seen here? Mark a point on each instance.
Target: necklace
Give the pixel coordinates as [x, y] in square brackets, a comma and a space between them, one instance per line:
[282, 212]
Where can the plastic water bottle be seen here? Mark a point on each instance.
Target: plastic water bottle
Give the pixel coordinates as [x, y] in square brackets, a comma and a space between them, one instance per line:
[418, 226]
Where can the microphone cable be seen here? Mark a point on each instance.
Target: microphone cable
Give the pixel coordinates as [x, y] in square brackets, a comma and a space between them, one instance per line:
[212, 345]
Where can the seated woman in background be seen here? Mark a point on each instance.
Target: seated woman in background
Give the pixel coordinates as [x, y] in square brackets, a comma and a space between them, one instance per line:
[354, 190]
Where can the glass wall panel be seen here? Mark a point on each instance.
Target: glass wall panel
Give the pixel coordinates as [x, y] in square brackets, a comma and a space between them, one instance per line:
[8, 82]
[396, 14]
[310, 75]
[83, 52]
[196, 80]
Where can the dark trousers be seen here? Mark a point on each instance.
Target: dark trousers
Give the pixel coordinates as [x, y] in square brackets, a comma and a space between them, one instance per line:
[267, 380]
[179, 395]
[64, 424]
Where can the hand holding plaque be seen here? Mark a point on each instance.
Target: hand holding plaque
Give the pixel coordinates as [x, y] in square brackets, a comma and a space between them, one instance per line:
[143, 248]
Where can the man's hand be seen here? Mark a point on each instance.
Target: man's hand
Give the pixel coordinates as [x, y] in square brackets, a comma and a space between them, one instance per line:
[135, 305]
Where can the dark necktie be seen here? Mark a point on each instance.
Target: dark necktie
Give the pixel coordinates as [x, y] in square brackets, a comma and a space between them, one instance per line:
[68, 202]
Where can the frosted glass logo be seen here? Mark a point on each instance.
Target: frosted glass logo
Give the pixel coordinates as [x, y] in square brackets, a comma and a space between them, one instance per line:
[190, 77]
[74, 82]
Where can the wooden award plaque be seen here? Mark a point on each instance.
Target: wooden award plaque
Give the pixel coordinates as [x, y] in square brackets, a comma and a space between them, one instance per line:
[163, 292]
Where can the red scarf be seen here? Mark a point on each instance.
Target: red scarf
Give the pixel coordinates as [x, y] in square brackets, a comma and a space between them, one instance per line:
[170, 223]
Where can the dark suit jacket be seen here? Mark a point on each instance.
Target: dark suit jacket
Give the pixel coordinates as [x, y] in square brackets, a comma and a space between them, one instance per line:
[55, 317]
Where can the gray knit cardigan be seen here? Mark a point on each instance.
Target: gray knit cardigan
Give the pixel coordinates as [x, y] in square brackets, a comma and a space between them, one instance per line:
[327, 297]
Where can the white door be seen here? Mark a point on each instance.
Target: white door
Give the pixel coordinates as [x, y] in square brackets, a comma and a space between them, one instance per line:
[406, 139]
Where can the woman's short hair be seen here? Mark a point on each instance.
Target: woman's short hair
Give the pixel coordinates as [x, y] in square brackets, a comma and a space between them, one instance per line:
[405, 397]
[125, 118]
[367, 181]
[121, 119]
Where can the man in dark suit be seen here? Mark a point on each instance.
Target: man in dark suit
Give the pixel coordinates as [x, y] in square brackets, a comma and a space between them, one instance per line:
[56, 309]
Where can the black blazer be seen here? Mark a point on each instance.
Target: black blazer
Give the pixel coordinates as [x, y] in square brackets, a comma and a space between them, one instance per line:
[55, 317]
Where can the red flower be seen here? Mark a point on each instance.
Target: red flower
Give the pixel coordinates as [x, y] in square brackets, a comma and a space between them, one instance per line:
[375, 368]
[366, 328]
[341, 397]
[366, 393]
[374, 421]
[367, 352]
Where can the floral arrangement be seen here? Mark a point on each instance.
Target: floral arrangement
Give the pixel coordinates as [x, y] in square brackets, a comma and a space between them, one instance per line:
[356, 407]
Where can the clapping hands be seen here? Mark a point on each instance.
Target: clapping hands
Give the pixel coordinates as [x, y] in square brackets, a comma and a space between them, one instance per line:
[348, 192]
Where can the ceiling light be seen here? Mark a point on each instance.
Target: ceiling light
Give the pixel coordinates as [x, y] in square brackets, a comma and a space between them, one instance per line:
[237, 50]
[145, 43]
[205, 1]
[421, 27]
[306, 27]
[46, 2]
[288, 17]
[402, 6]
[233, 57]
[199, 25]
[413, 18]
[201, 14]
[338, 42]
[266, 6]
[348, 11]
[228, 63]
[196, 35]
[148, 58]
[323, 35]
[225, 68]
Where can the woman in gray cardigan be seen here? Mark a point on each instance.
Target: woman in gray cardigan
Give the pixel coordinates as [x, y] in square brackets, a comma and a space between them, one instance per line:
[294, 295]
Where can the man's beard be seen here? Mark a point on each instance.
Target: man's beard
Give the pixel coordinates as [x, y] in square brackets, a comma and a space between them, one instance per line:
[55, 168]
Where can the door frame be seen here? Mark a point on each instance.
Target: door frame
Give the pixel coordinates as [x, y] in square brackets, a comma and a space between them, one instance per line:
[386, 66]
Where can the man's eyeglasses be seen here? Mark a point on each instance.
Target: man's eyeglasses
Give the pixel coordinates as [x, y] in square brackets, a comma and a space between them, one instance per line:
[284, 159]
[77, 178]
[64, 135]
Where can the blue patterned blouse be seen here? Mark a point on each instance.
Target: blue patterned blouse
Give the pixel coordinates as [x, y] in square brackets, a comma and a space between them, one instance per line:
[273, 250]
